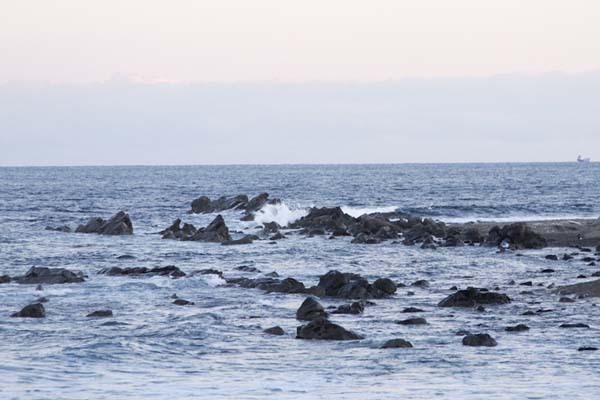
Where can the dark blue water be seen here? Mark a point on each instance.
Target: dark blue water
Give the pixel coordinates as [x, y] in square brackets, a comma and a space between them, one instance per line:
[216, 349]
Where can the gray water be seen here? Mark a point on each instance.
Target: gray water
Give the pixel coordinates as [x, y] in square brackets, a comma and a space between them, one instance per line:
[216, 349]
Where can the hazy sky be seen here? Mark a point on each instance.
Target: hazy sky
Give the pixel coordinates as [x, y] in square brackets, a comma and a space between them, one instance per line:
[274, 81]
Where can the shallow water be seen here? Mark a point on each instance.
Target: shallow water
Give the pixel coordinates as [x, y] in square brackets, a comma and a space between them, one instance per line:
[216, 348]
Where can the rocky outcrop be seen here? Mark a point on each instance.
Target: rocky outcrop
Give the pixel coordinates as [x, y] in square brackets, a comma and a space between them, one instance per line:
[273, 285]
[472, 297]
[203, 204]
[325, 219]
[585, 289]
[35, 310]
[310, 309]
[479, 339]
[517, 235]
[353, 286]
[217, 231]
[49, 276]
[170, 271]
[118, 224]
[323, 329]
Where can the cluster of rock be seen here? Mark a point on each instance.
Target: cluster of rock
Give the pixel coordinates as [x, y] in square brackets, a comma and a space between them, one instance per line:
[217, 231]
[169, 270]
[118, 224]
[319, 327]
[204, 205]
[45, 275]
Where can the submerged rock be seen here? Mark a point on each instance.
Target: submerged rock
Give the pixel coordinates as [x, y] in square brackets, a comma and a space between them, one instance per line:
[182, 302]
[472, 297]
[575, 325]
[118, 224]
[170, 270]
[276, 330]
[49, 276]
[517, 328]
[412, 321]
[35, 310]
[397, 344]
[323, 329]
[63, 228]
[479, 339]
[100, 314]
[586, 289]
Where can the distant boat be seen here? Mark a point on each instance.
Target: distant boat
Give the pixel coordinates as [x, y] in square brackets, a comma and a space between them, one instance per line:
[582, 160]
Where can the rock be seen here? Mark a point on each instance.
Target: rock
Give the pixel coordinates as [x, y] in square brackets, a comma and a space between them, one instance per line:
[326, 219]
[4, 279]
[528, 283]
[518, 235]
[473, 235]
[203, 204]
[422, 283]
[480, 308]
[575, 325]
[271, 227]
[547, 271]
[566, 300]
[100, 314]
[310, 309]
[588, 259]
[386, 285]
[277, 236]
[256, 203]
[248, 239]
[586, 289]
[118, 224]
[552, 257]
[472, 297]
[216, 231]
[587, 348]
[413, 321]
[517, 328]
[182, 302]
[276, 330]
[322, 329]
[397, 344]
[479, 339]
[567, 257]
[453, 241]
[126, 257]
[170, 271]
[207, 271]
[411, 310]
[49, 276]
[42, 300]
[246, 268]
[354, 308]
[64, 228]
[35, 310]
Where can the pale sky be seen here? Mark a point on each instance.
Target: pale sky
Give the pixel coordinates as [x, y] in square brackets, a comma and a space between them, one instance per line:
[280, 40]
[275, 81]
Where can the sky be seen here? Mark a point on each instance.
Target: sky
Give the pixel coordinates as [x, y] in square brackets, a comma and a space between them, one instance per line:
[276, 81]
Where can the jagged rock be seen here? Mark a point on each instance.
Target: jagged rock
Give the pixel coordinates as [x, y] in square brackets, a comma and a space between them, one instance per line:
[100, 314]
[322, 329]
[118, 224]
[170, 270]
[472, 297]
[517, 328]
[310, 309]
[216, 231]
[49, 276]
[479, 339]
[518, 235]
[276, 330]
[325, 219]
[203, 204]
[35, 310]
[397, 344]
[182, 302]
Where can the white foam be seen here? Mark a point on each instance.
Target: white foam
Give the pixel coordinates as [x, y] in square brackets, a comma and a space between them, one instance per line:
[358, 211]
[280, 213]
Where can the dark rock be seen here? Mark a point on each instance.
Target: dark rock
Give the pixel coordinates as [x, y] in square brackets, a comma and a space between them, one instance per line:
[354, 308]
[322, 329]
[587, 348]
[547, 271]
[528, 283]
[385, 285]
[118, 224]
[4, 279]
[413, 321]
[277, 236]
[42, 300]
[64, 228]
[246, 268]
[100, 314]
[473, 235]
[326, 219]
[587, 289]
[453, 241]
[552, 257]
[203, 204]
[216, 231]
[422, 283]
[49, 276]
[517, 328]
[566, 300]
[310, 309]
[256, 203]
[276, 330]
[208, 271]
[575, 325]
[182, 302]
[397, 344]
[588, 259]
[480, 308]
[411, 310]
[567, 257]
[35, 310]
[519, 235]
[479, 339]
[472, 297]
[126, 257]
[248, 239]
[170, 270]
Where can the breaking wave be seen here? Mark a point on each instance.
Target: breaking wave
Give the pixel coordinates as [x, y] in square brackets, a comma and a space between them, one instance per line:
[280, 213]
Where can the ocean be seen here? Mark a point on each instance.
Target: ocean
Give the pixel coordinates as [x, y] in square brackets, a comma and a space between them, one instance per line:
[153, 349]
